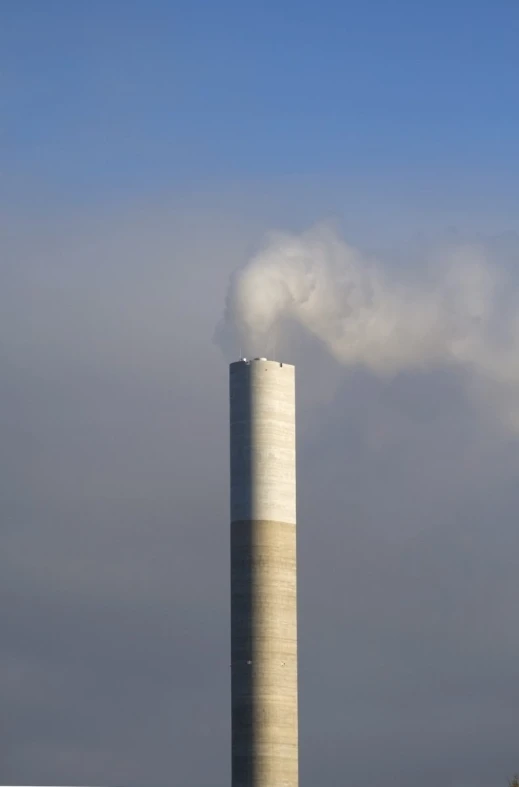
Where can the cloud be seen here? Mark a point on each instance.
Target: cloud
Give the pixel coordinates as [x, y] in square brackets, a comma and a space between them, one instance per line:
[454, 310]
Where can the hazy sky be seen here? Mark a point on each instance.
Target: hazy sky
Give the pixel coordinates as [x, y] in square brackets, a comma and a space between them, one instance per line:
[145, 149]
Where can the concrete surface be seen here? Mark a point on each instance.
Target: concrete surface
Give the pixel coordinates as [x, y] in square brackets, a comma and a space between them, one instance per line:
[263, 575]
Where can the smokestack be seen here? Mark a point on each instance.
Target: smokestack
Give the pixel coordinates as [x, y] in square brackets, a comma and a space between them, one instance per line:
[263, 574]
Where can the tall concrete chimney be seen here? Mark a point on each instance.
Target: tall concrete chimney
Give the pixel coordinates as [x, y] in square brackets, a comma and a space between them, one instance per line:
[263, 574]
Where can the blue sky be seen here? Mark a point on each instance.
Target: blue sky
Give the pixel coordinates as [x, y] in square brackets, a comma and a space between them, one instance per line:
[103, 97]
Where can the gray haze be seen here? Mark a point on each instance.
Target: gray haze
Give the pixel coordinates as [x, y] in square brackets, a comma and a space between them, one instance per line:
[114, 668]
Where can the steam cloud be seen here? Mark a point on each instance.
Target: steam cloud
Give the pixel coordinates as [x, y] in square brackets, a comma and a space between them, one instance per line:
[458, 312]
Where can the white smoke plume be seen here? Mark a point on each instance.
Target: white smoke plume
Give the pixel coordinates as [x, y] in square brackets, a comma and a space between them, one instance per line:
[451, 313]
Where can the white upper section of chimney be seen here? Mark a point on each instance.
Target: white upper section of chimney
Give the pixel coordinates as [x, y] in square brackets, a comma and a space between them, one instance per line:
[263, 441]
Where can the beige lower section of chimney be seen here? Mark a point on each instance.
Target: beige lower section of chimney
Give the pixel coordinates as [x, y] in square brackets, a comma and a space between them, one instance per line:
[264, 654]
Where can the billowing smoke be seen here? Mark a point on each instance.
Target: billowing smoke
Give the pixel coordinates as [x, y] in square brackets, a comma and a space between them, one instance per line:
[458, 311]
